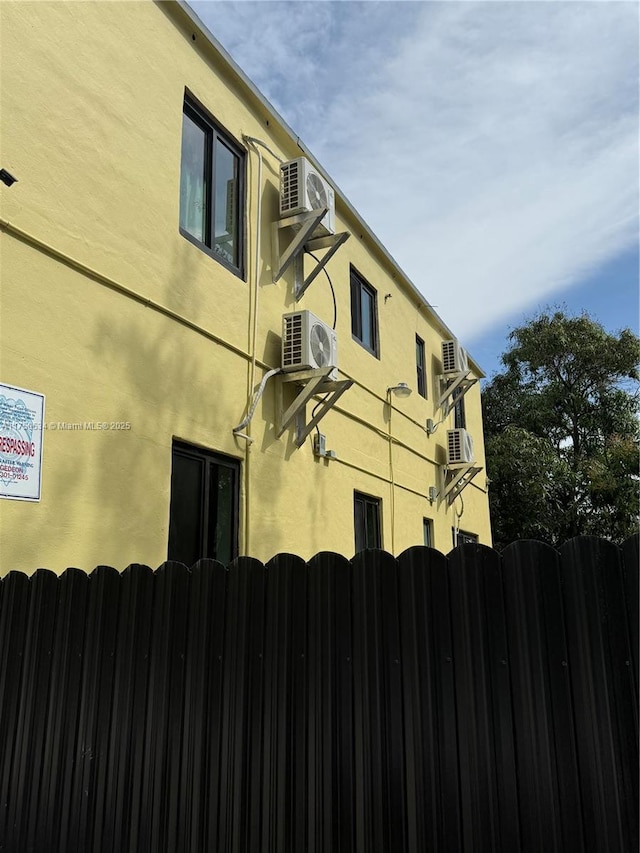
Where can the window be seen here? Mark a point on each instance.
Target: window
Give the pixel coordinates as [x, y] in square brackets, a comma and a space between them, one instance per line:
[460, 418]
[366, 521]
[364, 313]
[203, 518]
[422, 376]
[427, 527]
[211, 188]
[463, 537]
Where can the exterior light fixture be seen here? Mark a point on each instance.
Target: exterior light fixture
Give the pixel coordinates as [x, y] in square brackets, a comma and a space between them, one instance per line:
[7, 178]
[400, 390]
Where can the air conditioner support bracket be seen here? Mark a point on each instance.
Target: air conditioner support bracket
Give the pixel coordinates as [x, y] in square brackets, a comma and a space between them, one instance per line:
[449, 384]
[303, 242]
[313, 382]
[331, 243]
[456, 478]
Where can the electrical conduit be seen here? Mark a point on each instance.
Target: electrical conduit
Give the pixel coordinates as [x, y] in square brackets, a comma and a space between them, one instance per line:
[255, 144]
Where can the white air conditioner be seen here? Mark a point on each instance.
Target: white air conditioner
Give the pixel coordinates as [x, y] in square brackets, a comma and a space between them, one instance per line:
[459, 446]
[307, 343]
[454, 358]
[303, 190]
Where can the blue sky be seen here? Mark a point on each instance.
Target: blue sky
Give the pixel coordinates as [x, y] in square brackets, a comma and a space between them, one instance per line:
[491, 146]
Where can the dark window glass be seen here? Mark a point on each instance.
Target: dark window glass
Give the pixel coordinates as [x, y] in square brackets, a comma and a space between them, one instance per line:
[193, 179]
[422, 377]
[203, 518]
[187, 494]
[211, 188]
[427, 529]
[366, 511]
[226, 203]
[463, 537]
[223, 510]
[364, 313]
[460, 417]
[366, 318]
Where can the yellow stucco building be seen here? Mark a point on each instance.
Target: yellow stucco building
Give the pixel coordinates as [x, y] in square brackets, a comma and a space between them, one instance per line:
[142, 300]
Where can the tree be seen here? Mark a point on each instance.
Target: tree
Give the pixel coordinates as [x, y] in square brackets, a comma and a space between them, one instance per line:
[562, 432]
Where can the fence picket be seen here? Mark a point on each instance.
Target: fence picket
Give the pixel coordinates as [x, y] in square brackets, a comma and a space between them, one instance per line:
[471, 702]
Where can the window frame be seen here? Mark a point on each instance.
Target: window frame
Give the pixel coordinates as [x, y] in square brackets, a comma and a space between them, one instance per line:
[367, 501]
[358, 284]
[471, 538]
[200, 116]
[208, 458]
[459, 412]
[427, 532]
[421, 369]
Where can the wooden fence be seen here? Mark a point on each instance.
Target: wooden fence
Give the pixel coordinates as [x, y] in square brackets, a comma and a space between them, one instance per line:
[475, 702]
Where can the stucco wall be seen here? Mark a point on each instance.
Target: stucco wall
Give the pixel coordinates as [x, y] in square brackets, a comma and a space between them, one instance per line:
[121, 319]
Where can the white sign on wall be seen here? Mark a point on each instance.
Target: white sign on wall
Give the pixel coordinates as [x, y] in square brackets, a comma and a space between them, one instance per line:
[21, 432]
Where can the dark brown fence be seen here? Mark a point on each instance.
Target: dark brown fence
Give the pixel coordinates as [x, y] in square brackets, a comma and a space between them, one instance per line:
[475, 702]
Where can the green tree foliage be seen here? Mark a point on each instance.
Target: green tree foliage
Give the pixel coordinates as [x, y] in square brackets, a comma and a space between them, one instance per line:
[562, 432]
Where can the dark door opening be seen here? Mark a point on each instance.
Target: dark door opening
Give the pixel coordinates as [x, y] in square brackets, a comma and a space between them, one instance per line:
[203, 519]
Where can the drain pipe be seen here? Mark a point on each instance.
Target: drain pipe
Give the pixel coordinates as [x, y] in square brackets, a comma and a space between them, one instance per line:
[252, 372]
[456, 523]
[256, 271]
[237, 431]
[255, 144]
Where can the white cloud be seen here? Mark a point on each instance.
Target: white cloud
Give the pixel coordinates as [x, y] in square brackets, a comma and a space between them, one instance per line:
[492, 147]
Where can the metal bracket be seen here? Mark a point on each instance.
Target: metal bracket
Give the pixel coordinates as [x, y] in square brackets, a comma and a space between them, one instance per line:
[307, 222]
[303, 242]
[314, 382]
[461, 382]
[332, 243]
[457, 478]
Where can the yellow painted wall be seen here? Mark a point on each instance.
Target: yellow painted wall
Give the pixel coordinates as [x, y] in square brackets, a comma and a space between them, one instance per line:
[112, 315]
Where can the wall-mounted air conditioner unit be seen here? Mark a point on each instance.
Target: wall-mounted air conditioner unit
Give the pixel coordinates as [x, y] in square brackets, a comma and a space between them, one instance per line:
[307, 342]
[459, 447]
[303, 190]
[454, 358]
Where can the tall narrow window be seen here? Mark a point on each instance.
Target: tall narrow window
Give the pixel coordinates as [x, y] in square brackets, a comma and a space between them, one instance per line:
[203, 518]
[459, 415]
[193, 178]
[427, 531]
[211, 188]
[364, 313]
[422, 377]
[366, 511]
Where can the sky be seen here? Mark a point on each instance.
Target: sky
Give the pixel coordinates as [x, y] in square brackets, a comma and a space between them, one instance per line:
[492, 147]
